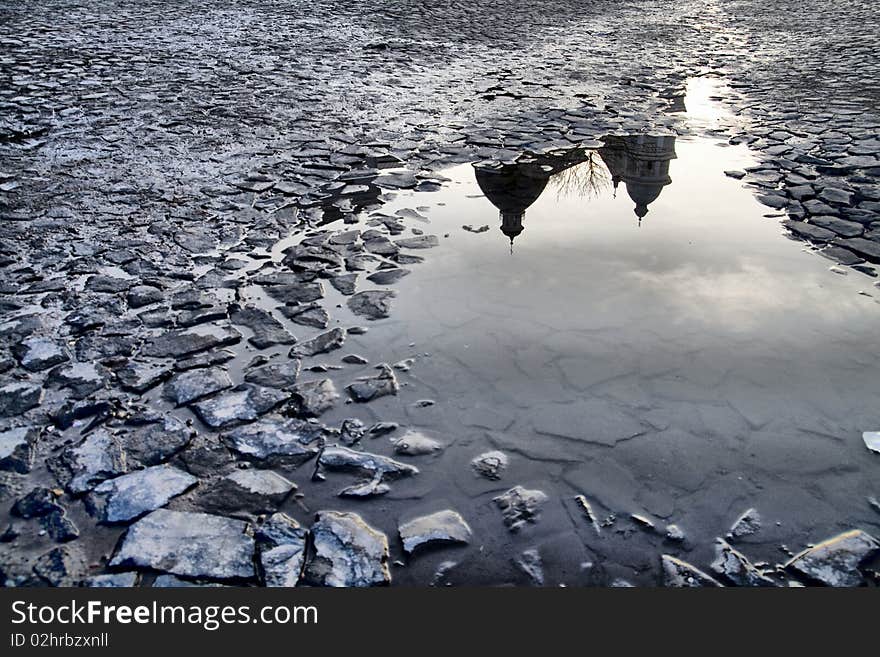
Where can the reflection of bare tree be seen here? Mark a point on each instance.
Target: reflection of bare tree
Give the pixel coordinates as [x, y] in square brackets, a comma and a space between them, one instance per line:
[585, 180]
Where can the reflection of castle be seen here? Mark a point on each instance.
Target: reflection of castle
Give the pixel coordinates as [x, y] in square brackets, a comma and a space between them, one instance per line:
[641, 162]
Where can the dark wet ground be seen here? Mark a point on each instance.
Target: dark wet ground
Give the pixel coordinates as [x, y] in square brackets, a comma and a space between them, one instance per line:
[683, 368]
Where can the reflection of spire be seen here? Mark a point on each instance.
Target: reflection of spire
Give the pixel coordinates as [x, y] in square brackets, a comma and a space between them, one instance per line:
[641, 162]
[512, 225]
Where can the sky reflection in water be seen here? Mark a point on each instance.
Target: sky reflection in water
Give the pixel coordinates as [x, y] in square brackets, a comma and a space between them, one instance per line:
[583, 259]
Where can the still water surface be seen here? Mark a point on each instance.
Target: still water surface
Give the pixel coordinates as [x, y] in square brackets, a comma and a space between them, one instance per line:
[631, 327]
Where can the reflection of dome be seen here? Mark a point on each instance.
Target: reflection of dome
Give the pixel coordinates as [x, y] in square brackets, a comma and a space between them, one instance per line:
[641, 162]
[643, 193]
[511, 189]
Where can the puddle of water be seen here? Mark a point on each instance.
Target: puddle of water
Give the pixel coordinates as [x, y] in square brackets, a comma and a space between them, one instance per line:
[677, 254]
[704, 111]
[630, 327]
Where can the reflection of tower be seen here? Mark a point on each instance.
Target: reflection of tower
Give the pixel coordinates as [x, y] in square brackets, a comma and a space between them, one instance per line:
[641, 162]
[512, 189]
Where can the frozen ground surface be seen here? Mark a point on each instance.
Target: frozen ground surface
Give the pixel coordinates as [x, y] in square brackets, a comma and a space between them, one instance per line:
[179, 185]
